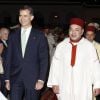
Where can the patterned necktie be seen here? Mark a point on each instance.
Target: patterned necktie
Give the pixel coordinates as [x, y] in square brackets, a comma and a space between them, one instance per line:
[23, 41]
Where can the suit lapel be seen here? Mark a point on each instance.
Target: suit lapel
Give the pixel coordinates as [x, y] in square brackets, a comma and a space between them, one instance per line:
[29, 42]
[19, 43]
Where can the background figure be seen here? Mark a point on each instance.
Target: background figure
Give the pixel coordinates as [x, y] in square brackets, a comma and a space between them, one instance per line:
[97, 30]
[90, 35]
[4, 33]
[51, 42]
[72, 72]
[27, 59]
[97, 37]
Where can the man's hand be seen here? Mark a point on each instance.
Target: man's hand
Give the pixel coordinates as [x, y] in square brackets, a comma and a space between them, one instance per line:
[39, 85]
[55, 89]
[96, 92]
[7, 84]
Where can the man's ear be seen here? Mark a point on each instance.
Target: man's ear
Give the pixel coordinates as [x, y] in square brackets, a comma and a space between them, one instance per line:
[32, 17]
[82, 31]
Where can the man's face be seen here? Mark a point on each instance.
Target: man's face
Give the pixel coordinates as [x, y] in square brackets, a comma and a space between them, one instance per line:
[90, 36]
[25, 18]
[4, 33]
[75, 32]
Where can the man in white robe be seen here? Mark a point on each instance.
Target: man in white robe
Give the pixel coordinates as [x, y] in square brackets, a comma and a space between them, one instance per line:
[90, 35]
[75, 66]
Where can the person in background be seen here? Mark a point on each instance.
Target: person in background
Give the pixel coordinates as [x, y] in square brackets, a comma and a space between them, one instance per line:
[51, 41]
[97, 30]
[27, 59]
[90, 35]
[4, 33]
[97, 26]
[75, 66]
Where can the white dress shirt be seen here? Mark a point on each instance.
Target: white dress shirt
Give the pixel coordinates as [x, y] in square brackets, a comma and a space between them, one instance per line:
[27, 33]
[5, 43]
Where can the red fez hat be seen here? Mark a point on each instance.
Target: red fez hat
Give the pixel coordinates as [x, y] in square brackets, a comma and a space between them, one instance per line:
[77, 21]
[90, 28]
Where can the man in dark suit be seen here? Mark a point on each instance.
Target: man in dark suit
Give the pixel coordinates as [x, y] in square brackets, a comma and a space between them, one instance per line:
[27, 59]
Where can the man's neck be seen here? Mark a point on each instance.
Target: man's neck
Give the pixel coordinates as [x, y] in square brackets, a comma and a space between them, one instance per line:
[75, 41]
[26, 27]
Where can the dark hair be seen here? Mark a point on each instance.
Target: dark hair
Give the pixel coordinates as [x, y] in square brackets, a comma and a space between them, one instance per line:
[26, 7]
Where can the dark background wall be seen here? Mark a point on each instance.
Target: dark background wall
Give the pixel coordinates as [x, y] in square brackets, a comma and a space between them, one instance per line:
[45, 12]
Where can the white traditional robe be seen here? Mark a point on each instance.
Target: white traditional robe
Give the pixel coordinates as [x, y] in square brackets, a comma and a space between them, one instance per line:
[97, 47]
[75, 82]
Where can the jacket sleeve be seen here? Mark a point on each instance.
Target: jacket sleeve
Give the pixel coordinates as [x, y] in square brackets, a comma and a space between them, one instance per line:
[55, 68]
[8, 59]
[43, 57]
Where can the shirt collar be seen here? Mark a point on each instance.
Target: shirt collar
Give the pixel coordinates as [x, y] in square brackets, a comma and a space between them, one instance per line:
[81, 40]
[29, 28]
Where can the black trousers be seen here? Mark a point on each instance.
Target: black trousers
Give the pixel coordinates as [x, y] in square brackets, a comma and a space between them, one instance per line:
[20, 92]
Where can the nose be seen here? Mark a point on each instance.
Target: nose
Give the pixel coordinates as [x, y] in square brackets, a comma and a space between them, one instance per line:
[73, 31]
